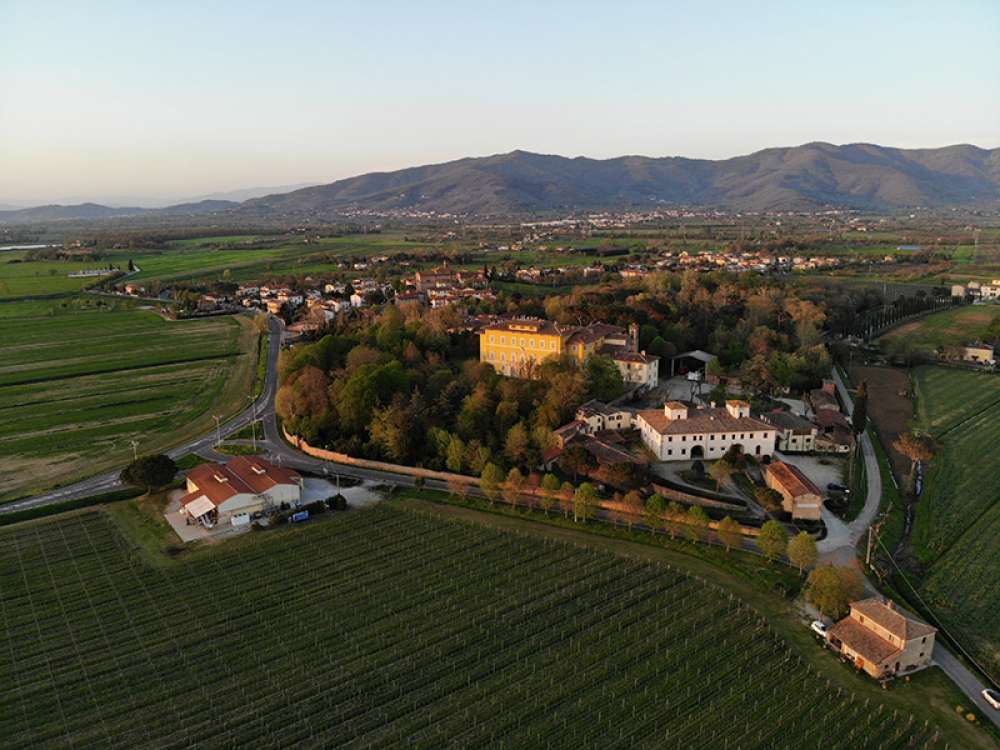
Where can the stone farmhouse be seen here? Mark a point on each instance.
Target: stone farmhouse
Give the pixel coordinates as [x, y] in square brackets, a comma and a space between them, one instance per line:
[217, 493]
[800, 498]
[882, 640]
[516, 346]
[682, 433]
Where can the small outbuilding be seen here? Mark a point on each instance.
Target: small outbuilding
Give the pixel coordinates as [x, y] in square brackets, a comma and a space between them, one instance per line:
[799, 496]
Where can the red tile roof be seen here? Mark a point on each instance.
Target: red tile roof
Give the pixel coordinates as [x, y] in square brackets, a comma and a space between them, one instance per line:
[791, 478]
[885, 614]
[243, 474]
[861, 640]
[701, 421]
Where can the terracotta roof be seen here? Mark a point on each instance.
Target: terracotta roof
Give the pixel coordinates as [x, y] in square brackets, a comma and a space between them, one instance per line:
[701, 421]
[787, 421]
[243, 474]
[518, 325]
[862, 640]
[792, 479]
[625, 356]
[830, 418]
[890, 618]
[820, 399]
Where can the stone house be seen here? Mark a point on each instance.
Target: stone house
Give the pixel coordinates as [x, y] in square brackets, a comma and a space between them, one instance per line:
[881, 639]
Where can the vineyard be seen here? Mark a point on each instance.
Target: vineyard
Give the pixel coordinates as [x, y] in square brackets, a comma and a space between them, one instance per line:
[389, 628]
[957, 533]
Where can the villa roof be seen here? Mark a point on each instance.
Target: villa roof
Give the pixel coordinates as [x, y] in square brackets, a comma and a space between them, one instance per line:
[787, 421]
[700, 421]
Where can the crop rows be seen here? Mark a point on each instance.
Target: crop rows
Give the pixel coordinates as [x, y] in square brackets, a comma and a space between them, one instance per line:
[386, 628]
[957, 533]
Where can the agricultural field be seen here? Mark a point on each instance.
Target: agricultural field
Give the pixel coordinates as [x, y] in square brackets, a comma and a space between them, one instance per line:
[386, 627]
[957, 530]
[952, 327]
[77, 383]
[20, 278]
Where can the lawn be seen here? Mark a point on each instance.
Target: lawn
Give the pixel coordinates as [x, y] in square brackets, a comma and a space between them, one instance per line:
[77, 386]
[955, 326]
[957, 530]
[392, 627]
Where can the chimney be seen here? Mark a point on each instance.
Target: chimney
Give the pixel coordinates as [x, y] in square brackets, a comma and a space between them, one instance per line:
[890, 604]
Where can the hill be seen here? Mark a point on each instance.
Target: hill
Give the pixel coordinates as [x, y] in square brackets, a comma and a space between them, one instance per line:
[804, 177]
[87, 211]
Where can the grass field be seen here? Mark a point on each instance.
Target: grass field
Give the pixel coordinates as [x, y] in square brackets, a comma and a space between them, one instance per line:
[957, 530]
[19, 278]
[952, 327]
[77, 386]
[389, 628]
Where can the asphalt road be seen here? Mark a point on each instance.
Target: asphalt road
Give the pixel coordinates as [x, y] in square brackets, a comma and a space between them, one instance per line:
[277, 450]
[844, 550]
[108, 481]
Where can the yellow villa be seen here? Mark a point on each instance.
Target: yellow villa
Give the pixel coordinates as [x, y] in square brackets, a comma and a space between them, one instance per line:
[516, 346]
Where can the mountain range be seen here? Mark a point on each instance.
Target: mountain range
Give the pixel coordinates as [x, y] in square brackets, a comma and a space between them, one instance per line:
[812, 176]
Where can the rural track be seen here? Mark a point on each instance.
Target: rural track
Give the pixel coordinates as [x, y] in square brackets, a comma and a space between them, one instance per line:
[845, 552]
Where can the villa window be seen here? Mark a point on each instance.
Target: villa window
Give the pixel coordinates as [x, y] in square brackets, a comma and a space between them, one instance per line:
[503, 339]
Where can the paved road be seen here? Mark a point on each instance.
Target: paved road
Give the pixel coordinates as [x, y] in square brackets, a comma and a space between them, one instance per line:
[840, 547]
[108, 481]
[842, 538]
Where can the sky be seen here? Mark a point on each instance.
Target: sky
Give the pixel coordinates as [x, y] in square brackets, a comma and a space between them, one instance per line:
[147, 102]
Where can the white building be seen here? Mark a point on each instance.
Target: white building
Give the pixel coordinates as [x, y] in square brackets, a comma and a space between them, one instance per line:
[597, 416]
[638, 367]
[680, 433]
[234, 490]
[357, 300]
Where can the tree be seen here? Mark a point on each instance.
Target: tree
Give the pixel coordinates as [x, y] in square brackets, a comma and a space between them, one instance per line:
[517, 444]
[489, 482]
[633, 506]
[603, 378]
[455, 454]
[802, 551]
[513, 486]
[696, 523]
[584, 502]
[675, 518]
[773, 540]
[550, 486]
[576, 460]
[566, 490]
[655, 505]
[729, 533]
[915, 446]
[720, 471]
[832, 589]
[150, 472]
[859, 417]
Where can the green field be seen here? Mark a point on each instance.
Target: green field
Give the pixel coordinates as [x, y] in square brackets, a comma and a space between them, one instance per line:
[955, 326]
[957, 530]
[389, 628]
[20, 278]
[76, 386]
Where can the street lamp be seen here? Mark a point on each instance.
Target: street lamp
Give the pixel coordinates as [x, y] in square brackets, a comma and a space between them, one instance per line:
[134, 444]
[253, 422]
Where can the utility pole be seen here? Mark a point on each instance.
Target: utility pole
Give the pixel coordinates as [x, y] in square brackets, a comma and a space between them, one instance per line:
[253, 422]
[218, 429]
[134, 444]
[868, 551]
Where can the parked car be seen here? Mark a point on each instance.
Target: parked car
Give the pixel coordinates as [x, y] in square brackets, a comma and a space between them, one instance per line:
[819, 628]
[834, 487]
[992, 697]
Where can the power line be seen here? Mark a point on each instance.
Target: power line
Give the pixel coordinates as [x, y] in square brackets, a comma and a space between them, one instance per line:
[940, 622]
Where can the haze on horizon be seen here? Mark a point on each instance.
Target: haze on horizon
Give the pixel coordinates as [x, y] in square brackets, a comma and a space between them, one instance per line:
[143, 104]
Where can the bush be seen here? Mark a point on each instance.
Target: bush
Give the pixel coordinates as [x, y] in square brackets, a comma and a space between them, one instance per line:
[150, 472]
[315, 508]
[336, 502]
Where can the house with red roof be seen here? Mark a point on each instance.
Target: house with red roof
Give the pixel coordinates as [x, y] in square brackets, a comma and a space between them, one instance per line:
[881, 639]
[233, 491]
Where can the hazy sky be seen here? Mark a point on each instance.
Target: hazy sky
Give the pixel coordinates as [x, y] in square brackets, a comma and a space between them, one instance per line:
[149, 100]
